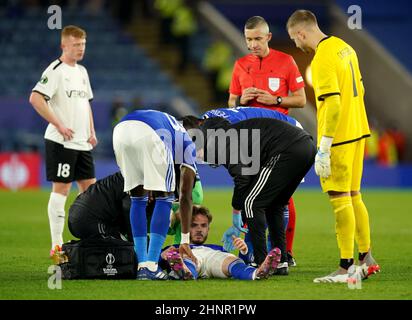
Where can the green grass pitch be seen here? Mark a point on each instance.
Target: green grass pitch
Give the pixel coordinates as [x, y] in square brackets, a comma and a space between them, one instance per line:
[24, 246]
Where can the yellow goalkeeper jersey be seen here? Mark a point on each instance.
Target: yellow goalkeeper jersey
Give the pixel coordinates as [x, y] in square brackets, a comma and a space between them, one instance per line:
[335, 70]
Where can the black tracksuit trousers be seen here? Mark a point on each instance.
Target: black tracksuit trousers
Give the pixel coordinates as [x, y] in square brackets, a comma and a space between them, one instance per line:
[270, 191]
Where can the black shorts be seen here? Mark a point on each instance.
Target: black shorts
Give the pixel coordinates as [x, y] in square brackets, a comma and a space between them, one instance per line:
[67, 165]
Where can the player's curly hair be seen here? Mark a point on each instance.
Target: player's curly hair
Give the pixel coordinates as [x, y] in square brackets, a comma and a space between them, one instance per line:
[202, 211]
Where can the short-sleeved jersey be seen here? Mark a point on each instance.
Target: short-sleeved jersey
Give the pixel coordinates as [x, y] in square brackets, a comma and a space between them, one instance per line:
[68, 92]
[172, 133]
[335, 70]
[276, 73]
[234, 115]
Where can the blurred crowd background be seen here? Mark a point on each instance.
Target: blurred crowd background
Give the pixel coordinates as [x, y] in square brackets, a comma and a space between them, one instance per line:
[177, 56]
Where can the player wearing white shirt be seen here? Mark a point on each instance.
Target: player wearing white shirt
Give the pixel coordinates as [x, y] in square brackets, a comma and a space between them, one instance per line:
[62, 97]
[67, 89]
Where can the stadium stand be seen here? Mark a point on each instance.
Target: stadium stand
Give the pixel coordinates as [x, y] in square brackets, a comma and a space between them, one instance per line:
[117, 67]
[384, 21]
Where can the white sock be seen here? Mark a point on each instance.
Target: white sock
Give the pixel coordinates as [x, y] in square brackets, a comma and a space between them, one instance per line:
[151, 265]
[141, 265]
[56, 213]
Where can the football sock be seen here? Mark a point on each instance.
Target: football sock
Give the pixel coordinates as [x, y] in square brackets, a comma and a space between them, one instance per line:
[345, 225]
[241, 271]
[55, 209]
[290, 230]
[247, 258]
[286, 217]
[138, 222]
[362, 255]
[268, 243]
[345, 263]
[159, 226]
[152, 266]
[362, 234]
[192, 267]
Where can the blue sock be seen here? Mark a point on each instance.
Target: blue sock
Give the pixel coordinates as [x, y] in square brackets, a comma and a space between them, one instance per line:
[239, 270]
[158, 227]
[286, 217]
[138, 222]
[189, 263]
[268, 243]
[247, 258]
[285, 225]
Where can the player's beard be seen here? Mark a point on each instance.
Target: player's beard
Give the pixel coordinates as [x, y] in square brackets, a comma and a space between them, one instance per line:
[196, 241]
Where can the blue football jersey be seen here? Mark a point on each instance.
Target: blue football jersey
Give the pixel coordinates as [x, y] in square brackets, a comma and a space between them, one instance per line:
[234, 115]
[172, 133]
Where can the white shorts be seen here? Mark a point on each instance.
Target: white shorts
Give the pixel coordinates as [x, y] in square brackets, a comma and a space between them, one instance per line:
[142, 157]
[210, 262]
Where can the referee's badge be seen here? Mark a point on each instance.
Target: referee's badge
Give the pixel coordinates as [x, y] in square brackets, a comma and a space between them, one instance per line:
[274, 84]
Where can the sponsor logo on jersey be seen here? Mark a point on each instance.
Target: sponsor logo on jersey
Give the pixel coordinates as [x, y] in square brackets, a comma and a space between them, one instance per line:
[76, 94]
[299, 79]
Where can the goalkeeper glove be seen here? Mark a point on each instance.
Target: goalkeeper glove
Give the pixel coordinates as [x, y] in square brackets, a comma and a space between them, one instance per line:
[322, 159]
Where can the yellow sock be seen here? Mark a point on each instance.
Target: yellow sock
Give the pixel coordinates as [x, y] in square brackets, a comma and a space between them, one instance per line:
[345, 225]
[362, 233]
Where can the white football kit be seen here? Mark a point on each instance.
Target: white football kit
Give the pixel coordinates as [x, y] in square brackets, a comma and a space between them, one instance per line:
[68, 91]
[210, 261]
[142, 157]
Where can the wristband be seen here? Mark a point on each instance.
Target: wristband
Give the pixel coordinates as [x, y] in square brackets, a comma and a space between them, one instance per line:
[185, 238]
[325, 144]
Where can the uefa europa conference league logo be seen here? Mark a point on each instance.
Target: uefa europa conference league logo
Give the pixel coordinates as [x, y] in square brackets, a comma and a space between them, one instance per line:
[109, 270]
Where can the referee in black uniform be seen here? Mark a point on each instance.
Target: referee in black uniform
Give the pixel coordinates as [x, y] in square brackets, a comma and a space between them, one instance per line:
[283, 156]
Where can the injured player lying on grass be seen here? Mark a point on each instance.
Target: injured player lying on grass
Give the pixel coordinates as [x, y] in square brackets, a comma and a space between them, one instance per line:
[213, 260]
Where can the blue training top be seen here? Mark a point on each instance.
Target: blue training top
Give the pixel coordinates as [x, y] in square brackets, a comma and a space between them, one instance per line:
[172, 133]
[234, 115]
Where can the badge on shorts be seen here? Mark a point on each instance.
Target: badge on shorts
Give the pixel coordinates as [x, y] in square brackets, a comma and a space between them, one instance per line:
[274, 84]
